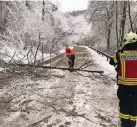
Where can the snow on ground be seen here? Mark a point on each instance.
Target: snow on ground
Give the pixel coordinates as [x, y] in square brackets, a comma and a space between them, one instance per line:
[63, 99]
[102, 63]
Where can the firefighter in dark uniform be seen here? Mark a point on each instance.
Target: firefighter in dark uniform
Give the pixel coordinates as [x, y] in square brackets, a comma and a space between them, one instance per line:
[71, 56]
[125, 61]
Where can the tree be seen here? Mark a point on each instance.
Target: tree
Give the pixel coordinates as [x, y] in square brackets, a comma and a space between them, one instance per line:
[122, 22]
[111, 21]
[43, 11]
[101, 15]
[2, 16]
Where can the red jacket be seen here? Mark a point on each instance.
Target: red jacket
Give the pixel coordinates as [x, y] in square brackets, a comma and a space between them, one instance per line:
[70, 53]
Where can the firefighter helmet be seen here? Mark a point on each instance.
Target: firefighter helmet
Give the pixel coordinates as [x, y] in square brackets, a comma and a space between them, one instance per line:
[130, 37]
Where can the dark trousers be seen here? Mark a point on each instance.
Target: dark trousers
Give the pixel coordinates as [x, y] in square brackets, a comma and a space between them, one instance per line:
[127, 96]
[71, 61]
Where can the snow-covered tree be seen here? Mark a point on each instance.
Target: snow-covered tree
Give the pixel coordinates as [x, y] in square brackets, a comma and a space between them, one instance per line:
[110, 21]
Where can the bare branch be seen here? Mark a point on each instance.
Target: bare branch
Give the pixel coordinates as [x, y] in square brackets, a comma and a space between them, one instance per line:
[12, 57]
[84, 64]
[37, 50]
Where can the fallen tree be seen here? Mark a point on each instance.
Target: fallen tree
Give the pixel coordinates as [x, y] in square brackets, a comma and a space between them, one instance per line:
[61, 68]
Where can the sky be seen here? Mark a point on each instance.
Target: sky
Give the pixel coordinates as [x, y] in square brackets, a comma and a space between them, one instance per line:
[71, 5]
[67, 5]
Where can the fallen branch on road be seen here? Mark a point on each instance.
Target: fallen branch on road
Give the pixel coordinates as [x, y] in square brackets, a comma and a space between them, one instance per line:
[61, 68]
[84, 64]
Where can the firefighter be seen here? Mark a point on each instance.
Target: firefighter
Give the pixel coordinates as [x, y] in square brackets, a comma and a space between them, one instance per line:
[71, 57]
[125, 61]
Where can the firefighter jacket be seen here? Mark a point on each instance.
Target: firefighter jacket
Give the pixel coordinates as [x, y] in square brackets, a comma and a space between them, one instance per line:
[126, 62]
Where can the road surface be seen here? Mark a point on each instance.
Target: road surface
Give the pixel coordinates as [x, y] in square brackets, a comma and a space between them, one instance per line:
[61, 98]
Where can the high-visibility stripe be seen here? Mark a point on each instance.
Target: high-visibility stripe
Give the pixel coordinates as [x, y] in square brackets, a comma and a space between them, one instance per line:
[133, 118]
[128, 83]
[123, 116]
[124, 68]
[134, 81]
[126, 116]
[127, 79]
[129, 53]
[120, 77]
[114, 59]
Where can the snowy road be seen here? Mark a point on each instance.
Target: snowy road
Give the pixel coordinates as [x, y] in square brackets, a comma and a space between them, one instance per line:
[62, 99]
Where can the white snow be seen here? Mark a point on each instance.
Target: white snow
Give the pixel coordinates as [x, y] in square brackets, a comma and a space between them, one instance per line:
[103, 63]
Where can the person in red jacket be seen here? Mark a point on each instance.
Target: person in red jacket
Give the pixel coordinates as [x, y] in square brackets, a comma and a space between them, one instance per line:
[125, 61]
[71, 56]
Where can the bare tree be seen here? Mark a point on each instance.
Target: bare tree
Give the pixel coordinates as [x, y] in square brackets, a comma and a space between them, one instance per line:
[43, 11]
[117, 24]
[129, 14]
[122, 22]
[2, 16]
[102, 17]
[109, 22]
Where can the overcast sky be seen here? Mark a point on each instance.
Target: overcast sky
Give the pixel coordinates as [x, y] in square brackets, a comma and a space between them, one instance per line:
[71, 5]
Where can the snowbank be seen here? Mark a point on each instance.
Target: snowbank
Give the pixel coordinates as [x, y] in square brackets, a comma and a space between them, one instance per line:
[102, 63]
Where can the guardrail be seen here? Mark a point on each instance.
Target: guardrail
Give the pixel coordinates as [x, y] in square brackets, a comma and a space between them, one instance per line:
[102, 53]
